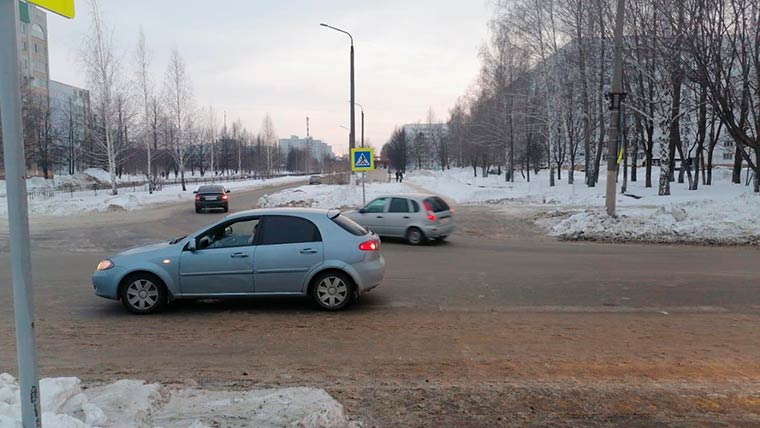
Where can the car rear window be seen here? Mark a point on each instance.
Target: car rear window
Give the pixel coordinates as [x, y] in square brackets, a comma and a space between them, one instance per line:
[210, 189]
[437, 204]
[349, 225]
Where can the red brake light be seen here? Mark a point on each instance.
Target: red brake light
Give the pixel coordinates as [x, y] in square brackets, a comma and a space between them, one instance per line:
[430, 213]
[371, 245]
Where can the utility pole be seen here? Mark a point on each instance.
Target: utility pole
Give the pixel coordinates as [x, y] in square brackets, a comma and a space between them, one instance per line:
[352, 130]
[18, 215]
[616, 97]
[308, 145]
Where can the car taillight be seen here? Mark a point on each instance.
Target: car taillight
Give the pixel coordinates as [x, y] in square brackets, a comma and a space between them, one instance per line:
[430, 213]
[197, 197]
[225, 197]
[371, 245]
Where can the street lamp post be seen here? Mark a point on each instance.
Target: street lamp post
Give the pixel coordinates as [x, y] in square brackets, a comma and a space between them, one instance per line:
[362, 109]
[352, 134]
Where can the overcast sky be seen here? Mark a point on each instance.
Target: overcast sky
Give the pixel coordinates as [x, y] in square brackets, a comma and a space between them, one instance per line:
[252, 57]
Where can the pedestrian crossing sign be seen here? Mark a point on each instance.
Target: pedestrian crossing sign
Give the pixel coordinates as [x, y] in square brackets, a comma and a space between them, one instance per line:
[362, 159]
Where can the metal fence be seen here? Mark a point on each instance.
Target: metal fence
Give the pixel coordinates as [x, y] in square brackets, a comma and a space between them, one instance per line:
[141, 186]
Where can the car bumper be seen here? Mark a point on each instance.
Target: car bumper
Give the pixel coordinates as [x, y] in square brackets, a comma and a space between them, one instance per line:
[369, 274]
[211, 204]
[106, 282]
[439, 231]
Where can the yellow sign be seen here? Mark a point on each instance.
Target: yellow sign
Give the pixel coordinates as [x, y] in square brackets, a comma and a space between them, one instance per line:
[362, 159]
[64, 8]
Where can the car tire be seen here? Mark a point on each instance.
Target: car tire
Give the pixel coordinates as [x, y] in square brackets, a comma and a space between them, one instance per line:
[226, 208]
[414, 236]
[198, 210]
[143, 293]
[333, 291]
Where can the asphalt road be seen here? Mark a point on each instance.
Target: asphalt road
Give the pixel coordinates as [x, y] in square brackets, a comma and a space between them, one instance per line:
[587, 332]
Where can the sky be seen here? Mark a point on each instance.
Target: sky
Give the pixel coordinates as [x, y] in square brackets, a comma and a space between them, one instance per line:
[250, 58]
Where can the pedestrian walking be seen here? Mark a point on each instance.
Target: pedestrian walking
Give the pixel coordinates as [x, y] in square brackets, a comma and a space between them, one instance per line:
[401, 176]
[397, 175]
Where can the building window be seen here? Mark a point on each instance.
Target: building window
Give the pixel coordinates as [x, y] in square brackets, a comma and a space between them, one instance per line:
[36, 48]
[23, 28]
[38, 32]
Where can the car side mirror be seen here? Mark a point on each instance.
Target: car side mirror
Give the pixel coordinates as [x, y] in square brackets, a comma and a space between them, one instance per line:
[195, 192]
[229, 191]
[362, 211]
[191, 245]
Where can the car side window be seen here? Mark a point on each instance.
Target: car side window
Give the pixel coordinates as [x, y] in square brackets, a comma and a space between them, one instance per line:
[238, 233]
[399, 205]
[415, 206]
[288, 230]
[376, 206]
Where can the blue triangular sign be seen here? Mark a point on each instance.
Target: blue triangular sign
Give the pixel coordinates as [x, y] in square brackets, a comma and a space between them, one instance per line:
[362, 162]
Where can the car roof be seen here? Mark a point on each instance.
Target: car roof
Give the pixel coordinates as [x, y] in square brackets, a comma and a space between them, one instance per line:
[408, 195]
[207, 187]
[302, 212]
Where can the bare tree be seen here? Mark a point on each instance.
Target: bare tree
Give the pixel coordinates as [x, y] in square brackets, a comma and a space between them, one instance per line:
[145, 89]
[178, 101]
[268, 141]
[103, 73]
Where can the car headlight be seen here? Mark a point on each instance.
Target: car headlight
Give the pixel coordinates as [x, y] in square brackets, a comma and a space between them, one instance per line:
[105, 265]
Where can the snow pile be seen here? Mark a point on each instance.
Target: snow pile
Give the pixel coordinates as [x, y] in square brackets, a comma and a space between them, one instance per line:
[64, 204]
[132, 403]
[331, 196]
[706, 222]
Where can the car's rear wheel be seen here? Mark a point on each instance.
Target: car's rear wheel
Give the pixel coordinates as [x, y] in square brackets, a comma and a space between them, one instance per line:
[226, 208]
[197, 210]
[415, 236]
[143, 294]
[333, 291]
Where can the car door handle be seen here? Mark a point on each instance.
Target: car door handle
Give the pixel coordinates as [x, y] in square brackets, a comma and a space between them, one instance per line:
[379, 216]
[406, 216]
[308, 251]
[238, 255]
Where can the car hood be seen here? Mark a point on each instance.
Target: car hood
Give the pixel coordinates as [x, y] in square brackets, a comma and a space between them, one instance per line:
[153, 246]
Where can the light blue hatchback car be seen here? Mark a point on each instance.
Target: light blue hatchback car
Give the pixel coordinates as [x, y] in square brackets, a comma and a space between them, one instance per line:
[263, 252]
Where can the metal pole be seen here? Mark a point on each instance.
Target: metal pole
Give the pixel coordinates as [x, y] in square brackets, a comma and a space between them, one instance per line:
[616, 97]
[364, 176]
[362, 128]
[352, 138]
[18, 216]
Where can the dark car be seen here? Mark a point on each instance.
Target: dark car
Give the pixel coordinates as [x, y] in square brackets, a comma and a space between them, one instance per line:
[212, 196]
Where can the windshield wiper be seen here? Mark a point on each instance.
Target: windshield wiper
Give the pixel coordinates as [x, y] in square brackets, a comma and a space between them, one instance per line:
[177, 239]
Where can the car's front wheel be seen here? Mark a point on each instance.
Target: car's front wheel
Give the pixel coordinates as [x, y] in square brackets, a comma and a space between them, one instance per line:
[333, 291]
[143, 294]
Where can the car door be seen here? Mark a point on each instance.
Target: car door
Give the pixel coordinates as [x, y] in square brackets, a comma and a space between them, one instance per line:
[372, 216]
[288, 248]
[398, 217]
[222, 263]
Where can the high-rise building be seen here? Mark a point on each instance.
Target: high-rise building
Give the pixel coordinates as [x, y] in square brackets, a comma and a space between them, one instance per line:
[70, 117]
[317, 148]
[33, 49]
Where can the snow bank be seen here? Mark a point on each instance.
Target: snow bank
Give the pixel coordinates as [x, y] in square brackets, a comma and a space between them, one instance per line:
[132, 403]
[63, 204]
[330, 196]
[705, 222]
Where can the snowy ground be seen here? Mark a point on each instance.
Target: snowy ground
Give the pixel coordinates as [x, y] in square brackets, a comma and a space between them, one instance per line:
[135, 404]
[331, 196]
[63, 204]
[723, 213]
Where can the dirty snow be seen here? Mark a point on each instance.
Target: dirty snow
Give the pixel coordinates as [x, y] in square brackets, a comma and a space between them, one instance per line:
[331, 196]
[135, 404]
[724, 213]
[64, 204]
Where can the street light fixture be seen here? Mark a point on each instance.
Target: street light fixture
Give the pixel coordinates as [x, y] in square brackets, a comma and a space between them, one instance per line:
[352, 135]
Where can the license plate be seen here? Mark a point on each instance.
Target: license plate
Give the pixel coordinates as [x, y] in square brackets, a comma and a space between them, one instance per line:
[445, 220]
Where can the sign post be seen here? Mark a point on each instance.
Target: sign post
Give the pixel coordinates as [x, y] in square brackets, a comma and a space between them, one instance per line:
[18, 215]
[363, 160]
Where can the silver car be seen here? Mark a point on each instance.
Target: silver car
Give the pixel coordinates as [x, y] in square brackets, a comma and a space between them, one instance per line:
[414, 217]
[264, 252]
